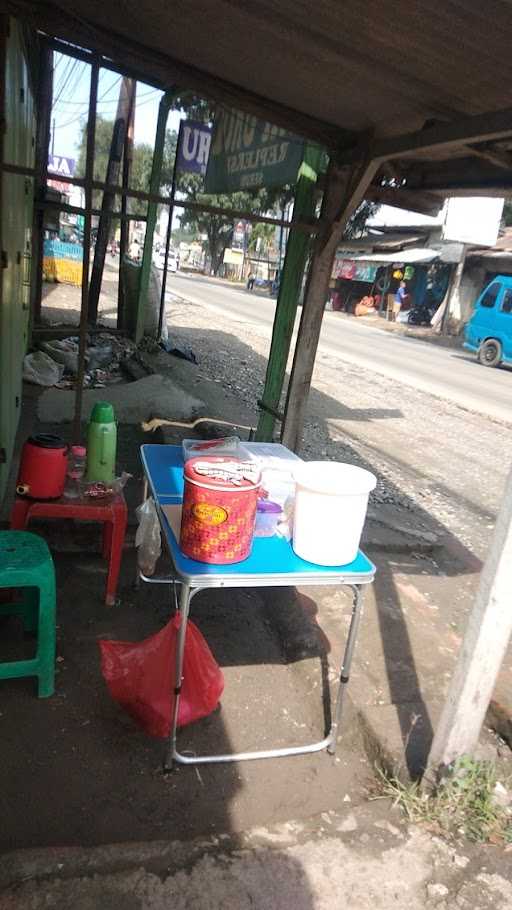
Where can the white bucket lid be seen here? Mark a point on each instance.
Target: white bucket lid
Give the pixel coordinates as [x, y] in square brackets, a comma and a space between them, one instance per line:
[334, 478]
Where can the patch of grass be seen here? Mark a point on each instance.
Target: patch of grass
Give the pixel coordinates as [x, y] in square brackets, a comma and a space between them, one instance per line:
[464, 802]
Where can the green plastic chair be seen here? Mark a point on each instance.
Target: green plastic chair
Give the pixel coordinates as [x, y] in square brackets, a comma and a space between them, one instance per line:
[26, 564]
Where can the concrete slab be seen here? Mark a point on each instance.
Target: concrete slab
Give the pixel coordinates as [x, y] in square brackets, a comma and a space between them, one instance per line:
[155, 396]
[366, 858]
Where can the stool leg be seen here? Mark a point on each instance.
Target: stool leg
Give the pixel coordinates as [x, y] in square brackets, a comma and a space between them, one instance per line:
[19, 514]
[116, 552]
[46, 640]
[30, 609]
[108, 527]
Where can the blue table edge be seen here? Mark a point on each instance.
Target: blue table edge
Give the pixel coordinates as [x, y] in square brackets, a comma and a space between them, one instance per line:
[198, 574]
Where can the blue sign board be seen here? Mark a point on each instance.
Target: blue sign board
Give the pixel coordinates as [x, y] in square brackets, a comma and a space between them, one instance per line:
[61, 166]
[193, 147]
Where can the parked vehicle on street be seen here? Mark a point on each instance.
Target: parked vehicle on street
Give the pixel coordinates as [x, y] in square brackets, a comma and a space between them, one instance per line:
[488, 334]
[172, 261]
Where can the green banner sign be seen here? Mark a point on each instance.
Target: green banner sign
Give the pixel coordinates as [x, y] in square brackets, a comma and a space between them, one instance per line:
[247, 154]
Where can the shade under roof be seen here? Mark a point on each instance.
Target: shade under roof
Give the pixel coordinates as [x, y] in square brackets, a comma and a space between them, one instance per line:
[332, 70]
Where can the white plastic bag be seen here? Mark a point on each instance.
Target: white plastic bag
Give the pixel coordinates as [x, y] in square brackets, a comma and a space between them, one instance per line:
[147, 539]
[63, 351]
[40, 369]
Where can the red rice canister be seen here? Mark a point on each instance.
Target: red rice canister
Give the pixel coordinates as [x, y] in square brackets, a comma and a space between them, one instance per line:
[219, 509]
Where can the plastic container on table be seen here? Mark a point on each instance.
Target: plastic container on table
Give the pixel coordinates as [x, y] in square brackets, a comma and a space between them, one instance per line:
[331, 500]
[219, 509]
[267, 517]
[75, 472]
[101, 444]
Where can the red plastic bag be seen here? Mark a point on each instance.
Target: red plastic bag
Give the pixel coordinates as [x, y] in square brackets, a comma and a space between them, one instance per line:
[140, 677]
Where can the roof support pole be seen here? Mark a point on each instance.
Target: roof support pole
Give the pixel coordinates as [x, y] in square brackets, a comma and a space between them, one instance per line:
[344, 191]
[297, 250]
[154, 187]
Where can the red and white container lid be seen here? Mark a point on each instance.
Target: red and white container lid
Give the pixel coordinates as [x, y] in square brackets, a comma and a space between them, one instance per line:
[219, 508]
[223, 473]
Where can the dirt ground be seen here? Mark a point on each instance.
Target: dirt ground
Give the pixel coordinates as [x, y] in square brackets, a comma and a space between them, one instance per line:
[94, 779]
[88, 776]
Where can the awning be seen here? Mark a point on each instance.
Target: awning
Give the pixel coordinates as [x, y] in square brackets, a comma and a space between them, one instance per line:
[415, 256]
[364, 266]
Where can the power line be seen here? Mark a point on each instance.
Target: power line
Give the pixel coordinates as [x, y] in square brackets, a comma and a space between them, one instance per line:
[66, 81]
[78, 117]
[63, 76]
[111, 102]
[72, 88]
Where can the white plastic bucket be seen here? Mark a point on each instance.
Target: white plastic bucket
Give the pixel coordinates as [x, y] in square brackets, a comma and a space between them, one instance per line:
[331, 500]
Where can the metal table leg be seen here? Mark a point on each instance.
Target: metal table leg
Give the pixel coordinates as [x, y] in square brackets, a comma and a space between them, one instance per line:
[184, 607]
[329, 741]
[346, 665]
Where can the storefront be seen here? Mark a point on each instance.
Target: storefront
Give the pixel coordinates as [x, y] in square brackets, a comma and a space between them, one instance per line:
[371, 277]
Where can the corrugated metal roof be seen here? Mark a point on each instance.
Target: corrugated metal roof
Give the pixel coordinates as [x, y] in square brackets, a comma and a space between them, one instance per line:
[332, 71]
[385, 65]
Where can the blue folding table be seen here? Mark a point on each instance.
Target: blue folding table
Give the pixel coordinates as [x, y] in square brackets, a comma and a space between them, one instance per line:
[272, 562]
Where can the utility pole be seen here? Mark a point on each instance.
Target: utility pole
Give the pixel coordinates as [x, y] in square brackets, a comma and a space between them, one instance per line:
[124, 239]
[154, 187]
[482, 650]
[112, 177]
[170, 213]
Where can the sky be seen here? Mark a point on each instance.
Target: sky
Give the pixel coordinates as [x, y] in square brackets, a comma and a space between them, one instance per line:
[71, 83]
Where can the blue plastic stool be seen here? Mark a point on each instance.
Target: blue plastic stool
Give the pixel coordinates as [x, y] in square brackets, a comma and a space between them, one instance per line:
[26, 564]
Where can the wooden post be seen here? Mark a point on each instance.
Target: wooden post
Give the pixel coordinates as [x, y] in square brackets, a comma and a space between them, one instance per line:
[482, 650]
[344, 191]
[297, 250]
[107, 205]
[154, 187]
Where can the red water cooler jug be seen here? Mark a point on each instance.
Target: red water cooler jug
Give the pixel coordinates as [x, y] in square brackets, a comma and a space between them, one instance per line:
[43, 465]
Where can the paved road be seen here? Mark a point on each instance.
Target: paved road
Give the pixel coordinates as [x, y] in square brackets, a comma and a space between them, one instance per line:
[440, 371]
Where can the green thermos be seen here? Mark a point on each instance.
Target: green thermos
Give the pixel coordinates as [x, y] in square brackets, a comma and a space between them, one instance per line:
[101, 444]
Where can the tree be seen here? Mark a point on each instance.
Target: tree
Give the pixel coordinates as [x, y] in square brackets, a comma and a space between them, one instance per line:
[264, 233]
[142, 162]
[219, 228]
[357, 223]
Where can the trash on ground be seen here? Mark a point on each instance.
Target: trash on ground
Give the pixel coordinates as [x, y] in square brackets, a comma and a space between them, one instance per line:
[105, 353]
[149, 426]
[40, 369]
[63, 350]
[184, 352]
